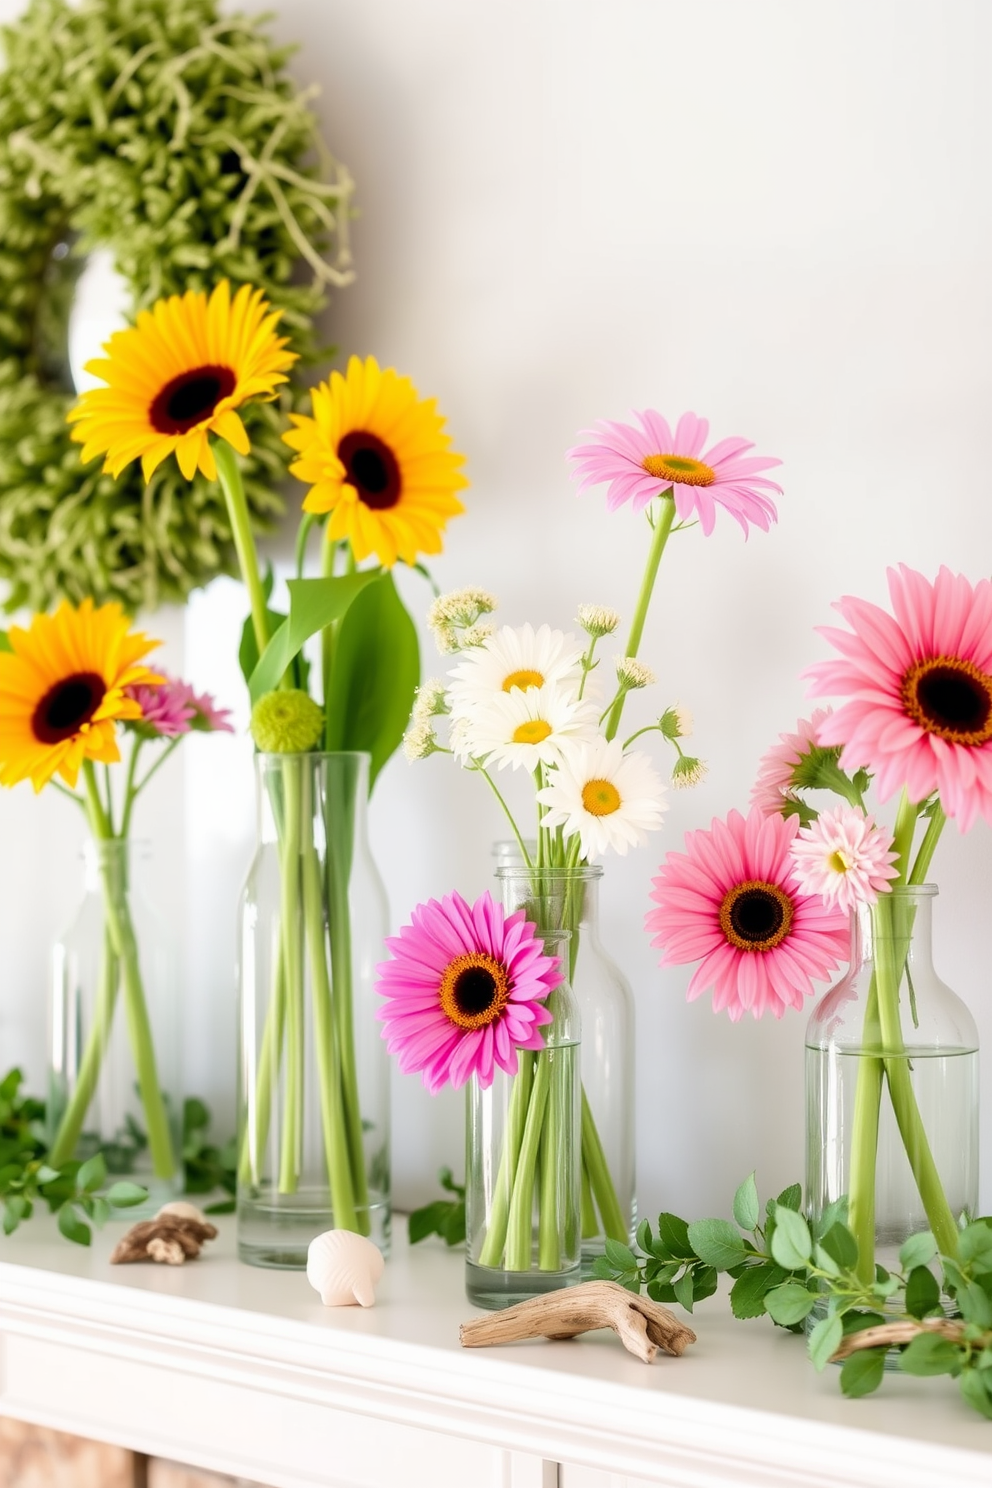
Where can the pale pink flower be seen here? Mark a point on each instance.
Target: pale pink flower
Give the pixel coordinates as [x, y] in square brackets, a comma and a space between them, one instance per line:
[733, 903]
[778, 765]
[646, 462]
[166, 711]
[919, 685]
[844, 857]
[209, 718]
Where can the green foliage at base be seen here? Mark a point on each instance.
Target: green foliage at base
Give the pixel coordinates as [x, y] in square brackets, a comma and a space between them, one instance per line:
[445, 1217]
[173, 137]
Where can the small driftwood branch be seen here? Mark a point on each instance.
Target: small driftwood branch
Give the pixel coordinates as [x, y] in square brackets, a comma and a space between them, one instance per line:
[642, 1326]
[168, 1238]
[893, 1334]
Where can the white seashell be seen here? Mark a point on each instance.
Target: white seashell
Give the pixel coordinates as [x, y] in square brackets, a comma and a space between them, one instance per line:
[182, 1210]
[344, 1268]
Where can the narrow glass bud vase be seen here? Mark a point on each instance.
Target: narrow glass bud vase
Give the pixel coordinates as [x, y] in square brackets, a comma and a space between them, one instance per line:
[113, 1034]
[892, 1088]
[523, 1138]
[313, 1083]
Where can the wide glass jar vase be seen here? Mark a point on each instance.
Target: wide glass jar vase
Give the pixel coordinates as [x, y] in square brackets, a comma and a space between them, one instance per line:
[313, 1077]
[892, 1087]
[113, 1031]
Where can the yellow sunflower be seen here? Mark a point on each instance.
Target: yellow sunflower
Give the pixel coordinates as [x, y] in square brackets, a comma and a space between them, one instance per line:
[376, 458]
[177, 376]
[62, 691]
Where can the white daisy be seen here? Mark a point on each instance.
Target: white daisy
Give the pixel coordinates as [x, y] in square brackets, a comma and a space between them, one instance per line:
[610, 798]
[524, 728]
[515, 659]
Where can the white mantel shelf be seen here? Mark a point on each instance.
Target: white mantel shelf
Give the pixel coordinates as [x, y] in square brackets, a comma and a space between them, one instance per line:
[242, 1370]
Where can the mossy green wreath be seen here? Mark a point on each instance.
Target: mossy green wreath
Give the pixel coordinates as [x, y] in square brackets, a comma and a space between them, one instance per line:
[172, 137]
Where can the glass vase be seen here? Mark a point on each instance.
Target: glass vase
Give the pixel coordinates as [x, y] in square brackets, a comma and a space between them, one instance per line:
[606, 1011]
[892, 1087]
[523, 1139]
[313, 1079]
[113, 1035]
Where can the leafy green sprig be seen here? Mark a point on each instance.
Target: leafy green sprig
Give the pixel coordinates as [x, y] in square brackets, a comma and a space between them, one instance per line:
[444, 1217]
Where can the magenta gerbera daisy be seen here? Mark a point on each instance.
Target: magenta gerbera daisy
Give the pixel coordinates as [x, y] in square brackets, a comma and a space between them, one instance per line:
[465, 990]
[166, 711]
[732, 902]
[777, 767]
[640, 464]
[919, 686]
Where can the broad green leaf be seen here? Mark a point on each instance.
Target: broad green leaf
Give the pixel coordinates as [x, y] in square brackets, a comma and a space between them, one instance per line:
[839, 1243]
[862, 1372]
[704, 1283]
[125, 1195]
[644, 1236]
[789, 1303]
[72, 1227]
[313, 604]
[248, 648]
[825, 1261]
[601, 1268]
[717, 1242]
[452, 1228]
[835, 1213]
[975, 1304]
[223, 1206]
[918, 1250]
[976, 1392]
[425, 1221]
[374, 677]
[747, 1208]
[792, 1245]
[45, 1174]
[92, 1175]
[98, 1210]
[684, 1289]
[824, 1340]
[856, 1322]
[747, 1295]
[930, 1354]
[662, 1271]
[791, 1197]
[620, 1256]
[974, 1240]
[673, 1234]
[922, 1292]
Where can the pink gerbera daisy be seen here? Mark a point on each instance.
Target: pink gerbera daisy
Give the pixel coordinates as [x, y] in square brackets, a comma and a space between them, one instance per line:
[844, 857]
[652, 460]
[731, 901]
[777, 768]
[209, 718]
[919, 685]
[166, 711]
[464, 990]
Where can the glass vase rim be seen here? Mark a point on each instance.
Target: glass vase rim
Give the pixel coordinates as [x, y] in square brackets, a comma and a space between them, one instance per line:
[908, 891]
[272, 757]
[574, 872]
[100, 846]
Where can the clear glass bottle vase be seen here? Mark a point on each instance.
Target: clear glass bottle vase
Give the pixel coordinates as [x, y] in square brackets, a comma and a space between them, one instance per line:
[606, 1011]
[113, 1034]
[892, 1087]
[523, 1139]
[313, 1078]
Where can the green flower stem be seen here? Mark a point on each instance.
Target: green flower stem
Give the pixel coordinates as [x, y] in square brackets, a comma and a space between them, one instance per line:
[329, 1073]
[292, 1128]
[267, 1077]
[595, 1165]
[493, 1246]
[548, 1220]
[519, 1223]
[590, 1219]
[864, 1145]
[231, 484]
[928, 846]
[507, 812]
[662, 529]
[74, 1115]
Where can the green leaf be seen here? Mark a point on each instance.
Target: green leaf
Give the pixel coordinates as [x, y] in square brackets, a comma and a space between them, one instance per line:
[125, 1195]
[930, 1354]
[374, 677]
[789, 1303]
[922, 1292]
[45, 1174]
[841, 1245]
[98, 1210]
[747, 1295]
[792, 1244]
[248, 648]
[223, 1206]
[644, 1236]
[72, 1227]
[976, 1392]
[620, 1256]
[673, 1235]
[856, 1322]
[704, 1283]
[791, 1197]
[92, 1175]
[452, 1229]
[716, 1242]
[426, 1221]
[824, 1340]
[974, 1241]
[918, 1250]
[975, 1304]
[313, 604]
[683, 1290]
[747, 1207]
[835, 1213]
[196, 1117]
[447, 1181]
[863, 1372]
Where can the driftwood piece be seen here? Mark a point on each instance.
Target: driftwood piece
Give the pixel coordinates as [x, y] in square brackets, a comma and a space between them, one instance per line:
[894, 1334]
[642, 1326]
[168, 1238]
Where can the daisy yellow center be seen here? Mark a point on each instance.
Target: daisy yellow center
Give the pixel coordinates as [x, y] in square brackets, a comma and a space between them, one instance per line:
[371, 468]
[67, 707]
[190, 398]
[534, 731]
[839, 862]
[523, 679]
[600, 797]
[679, 470]
[950, 697]
[475, 990]
[756, 916]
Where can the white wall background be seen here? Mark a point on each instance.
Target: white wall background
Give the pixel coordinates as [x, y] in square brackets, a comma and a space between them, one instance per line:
[771, 212]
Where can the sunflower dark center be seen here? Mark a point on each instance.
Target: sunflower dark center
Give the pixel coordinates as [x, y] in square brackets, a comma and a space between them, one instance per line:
[756, 916]
[371, 468]
[67, 706]
[475, 989]
[190, 398]
[950, 697]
